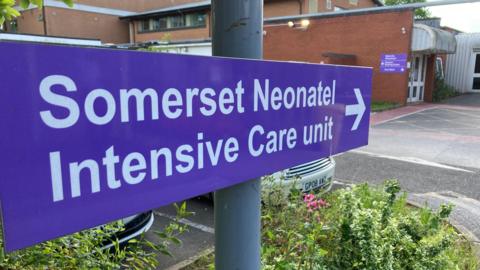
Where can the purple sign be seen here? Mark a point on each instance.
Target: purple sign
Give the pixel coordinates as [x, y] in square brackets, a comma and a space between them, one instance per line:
[393, 63]
[93, 135]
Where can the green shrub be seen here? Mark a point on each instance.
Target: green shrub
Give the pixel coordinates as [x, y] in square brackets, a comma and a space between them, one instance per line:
[379, 106]
[442, 90]
[361, 227]
[83, 250]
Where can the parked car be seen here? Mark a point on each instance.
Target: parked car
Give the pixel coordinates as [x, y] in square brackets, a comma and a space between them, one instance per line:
[134, 226]
[316, 175]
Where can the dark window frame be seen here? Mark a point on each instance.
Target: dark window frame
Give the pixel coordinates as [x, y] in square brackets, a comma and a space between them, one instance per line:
[476, 65]
[142, 23]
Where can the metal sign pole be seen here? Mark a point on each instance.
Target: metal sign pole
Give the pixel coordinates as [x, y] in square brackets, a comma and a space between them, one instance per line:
[238, 32]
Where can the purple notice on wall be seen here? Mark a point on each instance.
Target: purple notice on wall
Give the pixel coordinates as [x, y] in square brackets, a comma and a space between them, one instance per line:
[93, 135]
[393, 63]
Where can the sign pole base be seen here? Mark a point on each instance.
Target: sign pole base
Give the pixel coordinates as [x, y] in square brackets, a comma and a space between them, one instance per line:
[237, 226]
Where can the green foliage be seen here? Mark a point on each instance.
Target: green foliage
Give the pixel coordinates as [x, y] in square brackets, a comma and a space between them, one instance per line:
[83, 250]
[7, 12]
[203, 263]
[442, 90]
[421, 13]
[379, 106]
[171, 232]
[361, 227]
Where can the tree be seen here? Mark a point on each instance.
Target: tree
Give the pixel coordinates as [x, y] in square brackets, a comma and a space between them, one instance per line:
[7, 12]
[420, 13]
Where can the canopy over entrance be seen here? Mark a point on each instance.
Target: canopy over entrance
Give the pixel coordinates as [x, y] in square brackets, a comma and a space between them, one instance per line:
[427, 40]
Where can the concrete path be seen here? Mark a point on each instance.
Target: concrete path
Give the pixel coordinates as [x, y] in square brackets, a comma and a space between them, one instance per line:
[446, 134]
[197, 241]
[465, 100]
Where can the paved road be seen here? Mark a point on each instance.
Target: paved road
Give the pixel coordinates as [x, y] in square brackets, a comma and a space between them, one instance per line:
[434, 153]
[444, 135]
[198, 240]
[465, 100]
[413, 177]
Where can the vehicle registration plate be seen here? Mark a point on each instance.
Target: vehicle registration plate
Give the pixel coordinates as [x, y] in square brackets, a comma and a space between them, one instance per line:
[313, 184]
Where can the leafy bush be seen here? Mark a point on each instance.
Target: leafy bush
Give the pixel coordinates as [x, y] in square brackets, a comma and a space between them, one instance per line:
[83, 250]
[360, 228]
[442, 90]
[379, 106]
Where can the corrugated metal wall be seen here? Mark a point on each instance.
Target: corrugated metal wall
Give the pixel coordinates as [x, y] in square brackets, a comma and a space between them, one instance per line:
[459, 66]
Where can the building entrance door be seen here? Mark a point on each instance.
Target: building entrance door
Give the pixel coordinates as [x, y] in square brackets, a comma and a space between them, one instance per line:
[416, 83]
[476, 73]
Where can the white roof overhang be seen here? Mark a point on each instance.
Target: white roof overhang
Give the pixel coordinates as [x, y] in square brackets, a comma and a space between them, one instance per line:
[427, 39]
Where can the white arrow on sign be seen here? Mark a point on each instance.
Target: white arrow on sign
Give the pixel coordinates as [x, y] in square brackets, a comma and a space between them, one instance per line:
[356, 109]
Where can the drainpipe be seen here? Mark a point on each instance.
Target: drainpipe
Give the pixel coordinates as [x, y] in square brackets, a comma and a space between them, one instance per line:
[131, 30]
[300, 5]
[44, 19]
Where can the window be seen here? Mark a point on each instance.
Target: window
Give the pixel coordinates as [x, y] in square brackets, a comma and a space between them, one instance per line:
[328, 3]
[12, 26]
[197, 19]
[176, 21]
[424, 67]
[155, 24]
[477, 63]
[162, 23]
[338, 8]
[144, 25]
[476, 73]
[439, 67]
[313, 6]
[416, 69]
[476, 84]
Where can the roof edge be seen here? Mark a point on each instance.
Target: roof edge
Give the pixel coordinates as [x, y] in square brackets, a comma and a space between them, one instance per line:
[193, 6]
[361, 11]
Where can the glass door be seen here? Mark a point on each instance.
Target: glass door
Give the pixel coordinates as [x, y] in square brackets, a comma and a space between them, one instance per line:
[416, 84]
[476, 72]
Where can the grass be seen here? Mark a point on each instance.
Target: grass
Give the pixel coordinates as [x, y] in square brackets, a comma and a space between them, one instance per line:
[378, 106]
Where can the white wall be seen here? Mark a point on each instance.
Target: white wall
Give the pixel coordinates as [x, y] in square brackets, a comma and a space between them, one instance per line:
[193, 48]
[47, 39]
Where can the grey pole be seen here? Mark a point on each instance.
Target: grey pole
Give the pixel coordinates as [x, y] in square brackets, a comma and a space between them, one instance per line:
[238, 32]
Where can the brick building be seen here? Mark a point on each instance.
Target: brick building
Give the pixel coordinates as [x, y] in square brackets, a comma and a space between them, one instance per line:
[127, 21]
[347, 32]
[362, 38]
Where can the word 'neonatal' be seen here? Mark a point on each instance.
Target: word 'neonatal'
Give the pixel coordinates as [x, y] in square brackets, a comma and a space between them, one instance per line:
[172, 103]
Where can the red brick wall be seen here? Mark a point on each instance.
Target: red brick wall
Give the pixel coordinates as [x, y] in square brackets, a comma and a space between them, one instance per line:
[79, 24]
[281, 8]
[365, 36]
[430, 78]
[346, 4]
[29, 23]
